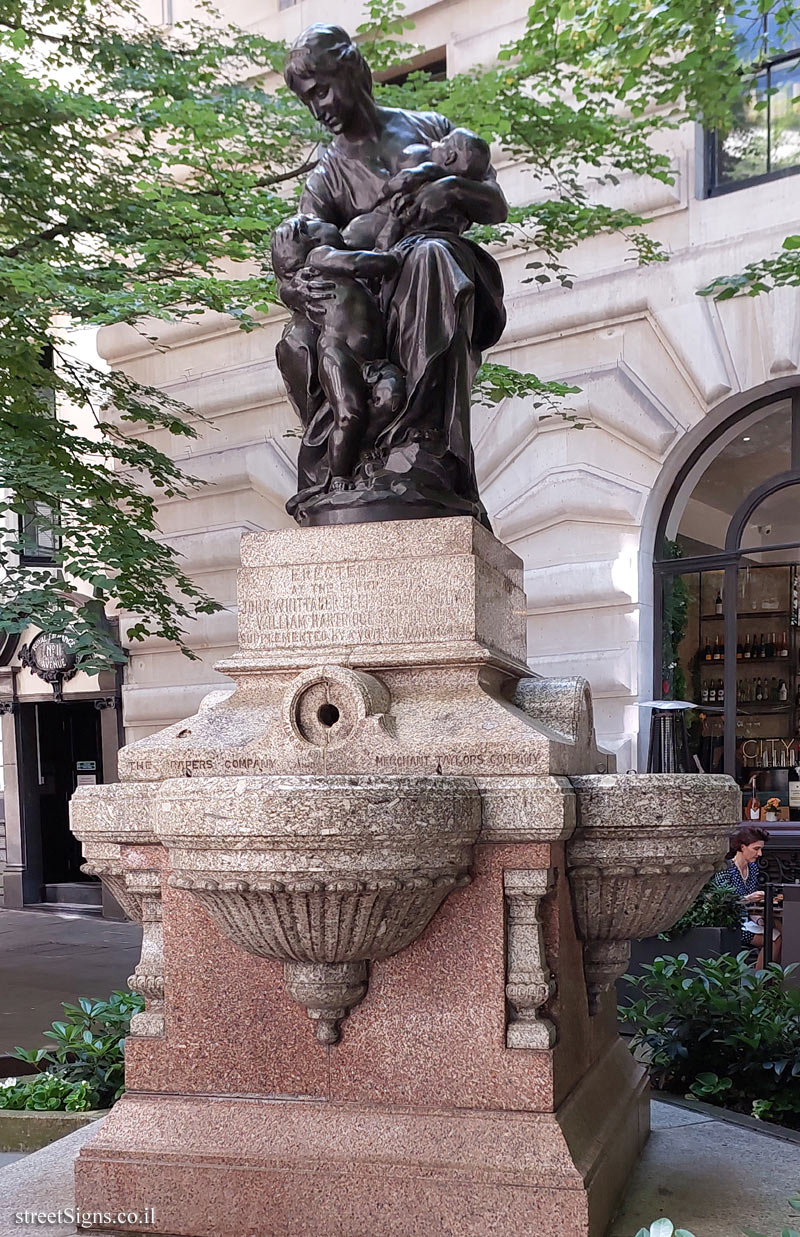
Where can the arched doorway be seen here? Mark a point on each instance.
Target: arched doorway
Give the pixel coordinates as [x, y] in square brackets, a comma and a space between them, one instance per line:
[727, 611]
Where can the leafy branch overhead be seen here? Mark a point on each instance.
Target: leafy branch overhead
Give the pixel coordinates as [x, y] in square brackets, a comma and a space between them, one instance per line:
[142, 171]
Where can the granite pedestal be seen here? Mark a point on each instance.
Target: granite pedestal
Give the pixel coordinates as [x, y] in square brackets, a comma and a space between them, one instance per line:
[387, 885]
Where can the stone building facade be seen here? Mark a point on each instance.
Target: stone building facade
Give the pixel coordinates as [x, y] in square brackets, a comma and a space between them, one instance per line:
[667, 380]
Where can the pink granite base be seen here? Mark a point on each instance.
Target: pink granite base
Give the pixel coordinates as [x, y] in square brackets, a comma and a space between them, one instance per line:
[238, 1122]
[222, 1167]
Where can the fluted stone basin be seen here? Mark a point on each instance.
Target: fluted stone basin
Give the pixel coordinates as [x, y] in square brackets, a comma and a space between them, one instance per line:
[643, 847]
[323, 874]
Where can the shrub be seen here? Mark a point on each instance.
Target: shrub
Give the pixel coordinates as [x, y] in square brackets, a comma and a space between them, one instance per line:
[47, 1092]
[714, 907]
[721, 1031]
[85, 1068]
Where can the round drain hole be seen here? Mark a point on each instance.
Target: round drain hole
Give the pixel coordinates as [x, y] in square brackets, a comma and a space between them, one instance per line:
[328, 714]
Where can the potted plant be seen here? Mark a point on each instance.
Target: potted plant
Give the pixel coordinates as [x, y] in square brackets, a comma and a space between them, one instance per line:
[772, 809]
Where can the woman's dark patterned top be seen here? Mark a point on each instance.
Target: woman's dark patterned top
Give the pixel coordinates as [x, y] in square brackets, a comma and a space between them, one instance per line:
[730, 877]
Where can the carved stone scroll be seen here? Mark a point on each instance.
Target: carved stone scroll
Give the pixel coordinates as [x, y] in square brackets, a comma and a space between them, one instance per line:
[528, 982]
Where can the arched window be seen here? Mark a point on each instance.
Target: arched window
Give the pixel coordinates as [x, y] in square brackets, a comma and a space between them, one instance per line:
[727, 584]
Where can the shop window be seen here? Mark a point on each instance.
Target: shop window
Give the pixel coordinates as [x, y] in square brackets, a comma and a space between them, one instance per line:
[747, 454]
[764, 139]
[728, 601]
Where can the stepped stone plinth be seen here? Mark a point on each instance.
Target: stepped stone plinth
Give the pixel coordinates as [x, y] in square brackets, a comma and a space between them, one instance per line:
[388, 882]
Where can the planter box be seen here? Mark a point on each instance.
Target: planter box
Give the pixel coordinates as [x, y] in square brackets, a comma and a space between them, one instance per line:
[26, 1130]
[698, 943]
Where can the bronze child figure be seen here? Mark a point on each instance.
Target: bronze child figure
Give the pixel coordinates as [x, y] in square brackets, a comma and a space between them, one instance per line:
[351, 345]
[459, 153]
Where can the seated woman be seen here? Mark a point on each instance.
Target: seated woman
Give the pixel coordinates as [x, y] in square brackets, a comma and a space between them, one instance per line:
[741, 874]
[442, 309]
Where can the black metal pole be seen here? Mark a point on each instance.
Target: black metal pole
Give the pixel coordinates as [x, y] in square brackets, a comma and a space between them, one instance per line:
[768, 919]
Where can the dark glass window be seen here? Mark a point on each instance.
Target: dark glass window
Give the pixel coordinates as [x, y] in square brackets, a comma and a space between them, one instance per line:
[432, 63]
[37, 539]
[764, 139]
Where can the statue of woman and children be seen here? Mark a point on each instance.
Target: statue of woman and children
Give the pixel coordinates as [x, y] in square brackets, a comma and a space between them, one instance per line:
[391, 305]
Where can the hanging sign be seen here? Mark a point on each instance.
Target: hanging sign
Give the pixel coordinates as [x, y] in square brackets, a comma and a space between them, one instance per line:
[50, 656]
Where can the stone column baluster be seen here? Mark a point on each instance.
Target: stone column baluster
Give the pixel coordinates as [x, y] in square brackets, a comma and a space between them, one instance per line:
[148, 978]
[528, 982]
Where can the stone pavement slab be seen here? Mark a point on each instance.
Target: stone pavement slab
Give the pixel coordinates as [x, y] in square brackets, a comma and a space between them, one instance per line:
[41, 1182]
[50, 957]
[710, 1177]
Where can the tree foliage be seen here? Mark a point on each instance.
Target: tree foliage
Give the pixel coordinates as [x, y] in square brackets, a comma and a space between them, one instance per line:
[142, 171]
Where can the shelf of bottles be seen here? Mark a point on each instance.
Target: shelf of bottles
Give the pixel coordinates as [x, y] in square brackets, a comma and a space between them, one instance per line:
[767, 678]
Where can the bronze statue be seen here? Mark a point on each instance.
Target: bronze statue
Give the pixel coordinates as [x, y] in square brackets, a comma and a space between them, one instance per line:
[391, 304]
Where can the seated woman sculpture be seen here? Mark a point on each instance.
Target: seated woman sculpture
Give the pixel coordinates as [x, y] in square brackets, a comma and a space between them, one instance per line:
[741, 874]
[442, 308]
[351, 336]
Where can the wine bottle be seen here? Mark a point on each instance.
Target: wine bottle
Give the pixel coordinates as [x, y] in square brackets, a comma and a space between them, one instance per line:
[704, 693]
[783, 651]
[753, 808]
[762, 646]
[759, 690]
[739, 651]
[748, 650]
[718, 603]
[717, 651]
[712, 692]
[720, 692]
[771, 644]
[707, 652]
[783, 691]
[773, 689]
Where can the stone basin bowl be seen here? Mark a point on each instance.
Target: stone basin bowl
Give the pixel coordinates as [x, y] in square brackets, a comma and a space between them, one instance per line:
[644, 846]
[324, 874]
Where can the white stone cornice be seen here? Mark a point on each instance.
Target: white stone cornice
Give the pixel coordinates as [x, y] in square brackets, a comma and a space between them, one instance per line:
[574, 493]
[582, 585]
[265, 467]
[611, 672]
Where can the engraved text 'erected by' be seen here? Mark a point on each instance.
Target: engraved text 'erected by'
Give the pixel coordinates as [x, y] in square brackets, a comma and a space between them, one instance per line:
[348, 604]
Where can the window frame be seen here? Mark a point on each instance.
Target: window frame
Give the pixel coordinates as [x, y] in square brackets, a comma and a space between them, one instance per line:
[713, 186]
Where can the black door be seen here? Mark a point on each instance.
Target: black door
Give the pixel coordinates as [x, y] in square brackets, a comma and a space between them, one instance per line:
[60, 743]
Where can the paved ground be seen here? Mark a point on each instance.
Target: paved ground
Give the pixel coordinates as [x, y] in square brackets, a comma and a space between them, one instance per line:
[47, 958]
[712, 1178]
